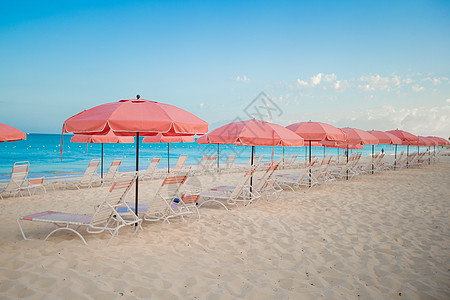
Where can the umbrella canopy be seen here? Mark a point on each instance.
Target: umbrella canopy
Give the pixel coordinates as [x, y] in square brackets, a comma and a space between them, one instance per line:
[11, 134]
[316, 131]
[110, 137]
[404, 135]
[127, 117]
[439, 140]
[252, 133]
[159, 138]
[385, 138]
[424, 141]
[134, 117]
[358, 136]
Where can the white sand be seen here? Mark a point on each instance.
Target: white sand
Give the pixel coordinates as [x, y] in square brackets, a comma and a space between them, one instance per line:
[384, 236]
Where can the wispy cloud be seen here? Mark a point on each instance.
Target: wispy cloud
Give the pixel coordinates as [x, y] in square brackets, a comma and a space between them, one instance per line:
[417, 88]
[243, 78]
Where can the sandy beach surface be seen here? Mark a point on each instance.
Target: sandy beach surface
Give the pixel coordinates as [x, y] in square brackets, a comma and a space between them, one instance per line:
[383, 236]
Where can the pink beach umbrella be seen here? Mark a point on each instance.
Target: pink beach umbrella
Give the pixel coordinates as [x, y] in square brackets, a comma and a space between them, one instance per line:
[406, 137]
[11, 134]
[387, 138]
[159, 138]
[108, 138]
[252, 133]
[317, 132]
[135, 117]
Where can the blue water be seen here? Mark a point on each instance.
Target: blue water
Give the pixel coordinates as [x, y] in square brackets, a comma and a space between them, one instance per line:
[43, 153]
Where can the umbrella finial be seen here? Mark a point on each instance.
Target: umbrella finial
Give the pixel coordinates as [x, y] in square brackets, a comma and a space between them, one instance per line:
[138, 96]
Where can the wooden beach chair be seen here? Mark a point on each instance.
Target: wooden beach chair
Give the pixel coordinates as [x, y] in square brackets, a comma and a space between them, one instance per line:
[105, 218]
[17, 181]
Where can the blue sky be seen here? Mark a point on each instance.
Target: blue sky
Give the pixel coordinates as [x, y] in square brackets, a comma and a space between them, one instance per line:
[366, 64]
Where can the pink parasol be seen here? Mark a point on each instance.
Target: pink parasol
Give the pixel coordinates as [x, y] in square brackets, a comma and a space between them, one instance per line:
[108, 138]
[406, 137]
[10, 134]
[439, 140]
[159, 138]
[252, 133]
[385, 138]
[134, 117]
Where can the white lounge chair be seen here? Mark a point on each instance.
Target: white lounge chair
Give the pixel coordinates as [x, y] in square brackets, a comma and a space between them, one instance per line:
[179, 166]
[305, 178]
[17, 181]
[151, 171]
[112, 171]
[229, 163]
[89, 177]
[231, 196]
[166, 203]
[105, 217]
[33, 184]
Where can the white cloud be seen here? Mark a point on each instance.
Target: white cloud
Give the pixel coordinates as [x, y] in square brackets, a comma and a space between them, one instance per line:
[202, 105]
[408, 80]
[435, 80]
[417, 120]
[315, 80]
[243, 78]
[448, 100]
[329, 77]
[417, 88]
[302, 84]
[341, 85]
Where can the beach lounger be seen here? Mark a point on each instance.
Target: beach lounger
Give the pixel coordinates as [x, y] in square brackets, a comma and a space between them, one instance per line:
[305, 178]
[201, 166]
[232, 195]
[179, 166]
[112, 171]
[105, 218]
[17, 181]
[166, 203]
[89, 177]
[229, 163]
[151, 171]
[33, 184]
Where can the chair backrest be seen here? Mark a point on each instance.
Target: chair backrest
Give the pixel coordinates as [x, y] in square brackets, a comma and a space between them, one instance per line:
[211, 161]
[245, 180]
[180, 163]
[166, 193]
[113, 199]
[153, 165]
[230, 161]
[267, 175]
[18, 176]
[113, 169]
[89, 174]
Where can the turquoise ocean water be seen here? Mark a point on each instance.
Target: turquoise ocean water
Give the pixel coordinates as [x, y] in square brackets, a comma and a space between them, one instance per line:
[43, 153]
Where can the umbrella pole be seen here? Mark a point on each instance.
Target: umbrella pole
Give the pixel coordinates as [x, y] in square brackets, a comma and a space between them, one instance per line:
[102, 163]
[407, 156]
[310, 163]
[306, 155]
[395, 158]
[283, 157]
[323, 151]
[136, 201]
[251, 176]
[218, 157]
[168, 159]
[338, 155]
[347, 162]
[434, 154]
[372, 159]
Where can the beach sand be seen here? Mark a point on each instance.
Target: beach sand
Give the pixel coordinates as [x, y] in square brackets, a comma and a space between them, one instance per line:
[383, 236]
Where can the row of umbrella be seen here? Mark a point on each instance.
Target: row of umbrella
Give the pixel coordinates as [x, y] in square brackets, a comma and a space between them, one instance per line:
[120, 122]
